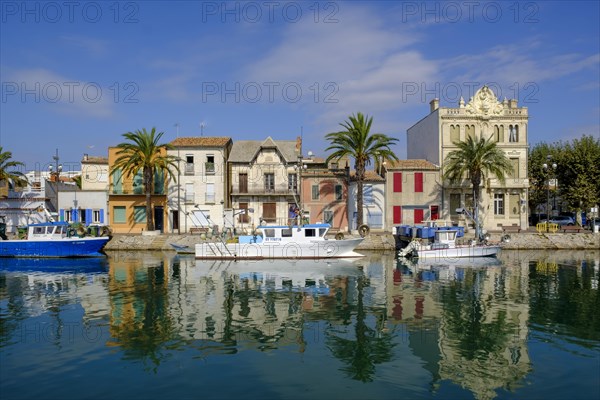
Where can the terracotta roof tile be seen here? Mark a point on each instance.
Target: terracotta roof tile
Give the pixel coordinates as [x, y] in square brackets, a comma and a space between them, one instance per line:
[412, 164]
[201, 141]
[370, 176]
[95, 160]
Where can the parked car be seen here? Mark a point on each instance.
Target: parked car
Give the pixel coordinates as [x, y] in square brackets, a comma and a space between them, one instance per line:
[562, 220]
[574, 216]
[593, 221]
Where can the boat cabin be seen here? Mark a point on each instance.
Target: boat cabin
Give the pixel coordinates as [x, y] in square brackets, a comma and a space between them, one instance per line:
[47, 231]
[285, 233]
[444, 239]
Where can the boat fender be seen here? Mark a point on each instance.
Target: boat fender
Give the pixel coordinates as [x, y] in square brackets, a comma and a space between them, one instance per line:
[339, 236]
[364, 230]
[105, 231]
[71, 232]
[505, 238]
[81, 231]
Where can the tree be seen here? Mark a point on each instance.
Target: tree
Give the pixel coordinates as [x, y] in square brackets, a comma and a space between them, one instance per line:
[358, 142]
[15, 178]
[142, 152]
[476, 159]
[538, 176]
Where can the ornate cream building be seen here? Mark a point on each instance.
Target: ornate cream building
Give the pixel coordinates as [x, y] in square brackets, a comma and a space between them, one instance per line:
[483, 116]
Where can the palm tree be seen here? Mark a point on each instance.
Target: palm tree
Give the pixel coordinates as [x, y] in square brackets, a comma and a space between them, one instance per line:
[477, 159]
[359, 143]
[142, 152]
[13, 177]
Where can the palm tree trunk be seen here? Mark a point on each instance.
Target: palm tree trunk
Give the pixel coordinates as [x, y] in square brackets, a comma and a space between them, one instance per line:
[360, 174]
[476, 209]
[148, 189]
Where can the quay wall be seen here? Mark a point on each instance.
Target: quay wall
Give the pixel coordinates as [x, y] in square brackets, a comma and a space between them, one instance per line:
[376, 241]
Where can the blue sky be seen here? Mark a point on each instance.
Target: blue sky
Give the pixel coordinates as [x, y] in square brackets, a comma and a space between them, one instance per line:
[77, 75]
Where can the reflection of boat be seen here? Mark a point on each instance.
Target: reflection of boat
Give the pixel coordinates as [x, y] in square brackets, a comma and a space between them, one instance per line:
[282, 242]
[52, 239]
[444, 247]
[281, 273]
[449, 269]
[86, 264]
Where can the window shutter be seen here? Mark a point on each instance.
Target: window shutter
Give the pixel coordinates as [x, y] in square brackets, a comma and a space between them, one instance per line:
[397, 214]
[397, 182]
[418, 216]
[418, 182]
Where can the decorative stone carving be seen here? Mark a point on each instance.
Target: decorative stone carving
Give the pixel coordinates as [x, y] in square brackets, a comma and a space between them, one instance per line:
[484, 103]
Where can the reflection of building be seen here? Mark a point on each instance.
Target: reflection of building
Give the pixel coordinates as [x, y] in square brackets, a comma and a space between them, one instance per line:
[484, 116]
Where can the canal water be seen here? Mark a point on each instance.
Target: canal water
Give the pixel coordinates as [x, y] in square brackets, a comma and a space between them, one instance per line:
[142, 325]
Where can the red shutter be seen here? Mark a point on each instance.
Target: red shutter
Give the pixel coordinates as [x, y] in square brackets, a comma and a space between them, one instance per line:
[418, 215]
[397, 214]
[418, 182]
[397, 182]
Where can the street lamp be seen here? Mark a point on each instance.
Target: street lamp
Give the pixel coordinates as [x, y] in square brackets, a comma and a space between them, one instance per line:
[548, 169]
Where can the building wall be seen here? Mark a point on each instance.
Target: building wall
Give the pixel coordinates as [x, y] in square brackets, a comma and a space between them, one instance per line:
[424, 140]
[327, 202]
[94, 176]
[83, 206]
[374, 211]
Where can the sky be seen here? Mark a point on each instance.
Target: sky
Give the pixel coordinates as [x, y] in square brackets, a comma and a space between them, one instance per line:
[77, 75]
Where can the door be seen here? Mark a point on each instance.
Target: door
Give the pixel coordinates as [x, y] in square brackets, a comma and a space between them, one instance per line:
[270, 212]
[435, 213]
[175, 219]
[158, 218]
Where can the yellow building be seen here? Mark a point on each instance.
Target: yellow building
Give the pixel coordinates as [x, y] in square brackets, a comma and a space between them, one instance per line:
[127, 200]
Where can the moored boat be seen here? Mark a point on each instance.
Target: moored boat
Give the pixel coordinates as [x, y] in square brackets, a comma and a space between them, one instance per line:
[53, 239]
[281, 242]
[444, 247]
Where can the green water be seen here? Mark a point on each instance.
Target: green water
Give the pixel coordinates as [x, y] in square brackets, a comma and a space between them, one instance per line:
[157, 326]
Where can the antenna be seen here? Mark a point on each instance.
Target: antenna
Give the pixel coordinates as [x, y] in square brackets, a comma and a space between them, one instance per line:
[202, 125]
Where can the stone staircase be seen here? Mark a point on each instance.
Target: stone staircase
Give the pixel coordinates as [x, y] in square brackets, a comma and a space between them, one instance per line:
[160, 242]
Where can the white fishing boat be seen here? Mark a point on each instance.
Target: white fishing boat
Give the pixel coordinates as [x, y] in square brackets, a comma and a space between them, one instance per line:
[281, 242]
[444, 247]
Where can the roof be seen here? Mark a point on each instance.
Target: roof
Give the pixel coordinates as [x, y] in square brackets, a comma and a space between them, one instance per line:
[412, 164]
[246, 150]
[370, 176]
[201, 141]
[94, 160]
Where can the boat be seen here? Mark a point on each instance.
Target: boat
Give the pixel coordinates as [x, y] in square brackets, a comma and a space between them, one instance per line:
[307, 241]
[444, 247]
[53, 239]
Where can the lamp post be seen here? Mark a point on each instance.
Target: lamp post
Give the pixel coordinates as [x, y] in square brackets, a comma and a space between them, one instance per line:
[548, 169]
[56, 176]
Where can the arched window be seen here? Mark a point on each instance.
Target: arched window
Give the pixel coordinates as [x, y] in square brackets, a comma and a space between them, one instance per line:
[454, 133]
[514, 133]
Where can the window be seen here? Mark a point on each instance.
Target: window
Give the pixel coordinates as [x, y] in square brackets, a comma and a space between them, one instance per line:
[397, 182]
[367, 195]
[315, 192]
[68, 215]
[418, 182]
[189, 193]
[82, 216]
[310, 233]
[293, 182]
[270, 212]
[243, 183]
[96, 216]
[454, 203]
[435, 213]
[338, 192]
[138, 183]
[328, 217]
[514, 133]
[499, 133]
[499, 204]
[244, 217]
[118, 181]
[159, 182]
[270, 233]
[270, 182]
[470, 131]
[514, 162]
[287, 232]
[210, 193]
[139, 214]
[119, 216]
[418, 216]
[454, 133]
[210, 164]
[189, 165]
[322, 232]
[397, 212]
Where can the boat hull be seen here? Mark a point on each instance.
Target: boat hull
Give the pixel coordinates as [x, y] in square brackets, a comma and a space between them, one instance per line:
[66, 247]
[317, 249]
[458, 252]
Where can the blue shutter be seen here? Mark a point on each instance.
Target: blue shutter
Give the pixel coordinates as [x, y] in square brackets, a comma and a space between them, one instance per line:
[62, 215]
[102, 216]
[74, 215]
[88, 216]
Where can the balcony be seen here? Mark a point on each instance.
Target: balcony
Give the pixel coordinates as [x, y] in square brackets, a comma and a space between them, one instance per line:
[262, 189]
[189, 169]
[209, 168]
[509, 183]
[189, 197]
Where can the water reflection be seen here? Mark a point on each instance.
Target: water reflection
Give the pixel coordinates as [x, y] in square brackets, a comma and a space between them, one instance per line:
[465, 324]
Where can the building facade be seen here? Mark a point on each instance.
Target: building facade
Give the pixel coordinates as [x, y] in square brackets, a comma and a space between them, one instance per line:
[413, 193]
[198, 197]
[484, 116]
[263, 181]
[373, 201]
[127, 199]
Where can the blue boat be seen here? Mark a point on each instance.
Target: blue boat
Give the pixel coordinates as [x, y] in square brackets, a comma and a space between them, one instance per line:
[52, 239]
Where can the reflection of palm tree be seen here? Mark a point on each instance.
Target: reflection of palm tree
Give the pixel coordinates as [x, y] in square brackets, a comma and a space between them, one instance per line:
[368, 348]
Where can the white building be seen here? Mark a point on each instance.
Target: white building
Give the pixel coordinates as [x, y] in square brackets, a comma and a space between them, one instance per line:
[484, 116]
[373, 201]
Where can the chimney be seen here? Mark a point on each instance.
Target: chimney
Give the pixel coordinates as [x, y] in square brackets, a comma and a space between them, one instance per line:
[512, 103]
[85, 157]
[299, 145]
[434, 105]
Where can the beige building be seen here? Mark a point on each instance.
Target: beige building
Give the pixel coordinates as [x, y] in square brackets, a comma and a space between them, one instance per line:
[413, 192]
[198, 197]
[264, 177]
[483, 116]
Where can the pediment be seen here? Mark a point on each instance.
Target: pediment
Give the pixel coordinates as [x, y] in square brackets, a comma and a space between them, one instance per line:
[485, 103]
